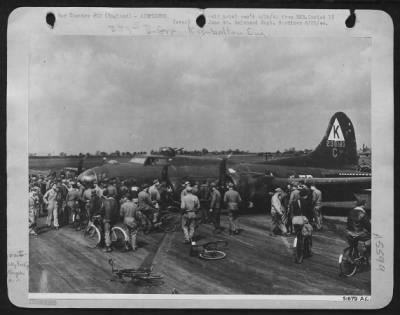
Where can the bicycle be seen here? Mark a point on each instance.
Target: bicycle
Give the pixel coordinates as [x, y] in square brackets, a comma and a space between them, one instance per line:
[210, 250]
[166, 222]
[302, 245]
[135, 275]
[79, 217]
[352, 258]
[93, 235]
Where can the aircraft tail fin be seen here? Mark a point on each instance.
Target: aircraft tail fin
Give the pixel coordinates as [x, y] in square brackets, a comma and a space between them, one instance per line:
[338, 148]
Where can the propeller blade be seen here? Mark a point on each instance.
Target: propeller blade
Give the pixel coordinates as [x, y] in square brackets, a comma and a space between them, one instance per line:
[164, 173]
[222, 172]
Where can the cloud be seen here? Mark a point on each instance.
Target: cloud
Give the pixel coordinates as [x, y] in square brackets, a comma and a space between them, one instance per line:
[139, 93]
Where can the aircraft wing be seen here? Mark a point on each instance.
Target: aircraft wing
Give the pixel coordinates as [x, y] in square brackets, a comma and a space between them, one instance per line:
[73, 169]
[323, 180]
[39, 172]
[362, 180]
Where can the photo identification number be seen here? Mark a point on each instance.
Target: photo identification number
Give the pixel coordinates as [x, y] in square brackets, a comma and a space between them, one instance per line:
[352, 298]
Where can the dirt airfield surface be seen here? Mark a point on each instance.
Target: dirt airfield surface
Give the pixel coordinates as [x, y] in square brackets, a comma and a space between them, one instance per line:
[255, 263]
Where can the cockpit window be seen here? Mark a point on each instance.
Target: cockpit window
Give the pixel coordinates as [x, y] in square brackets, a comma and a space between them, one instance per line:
[150, 160]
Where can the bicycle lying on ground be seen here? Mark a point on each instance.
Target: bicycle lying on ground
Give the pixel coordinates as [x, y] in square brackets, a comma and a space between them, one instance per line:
[210, 250]
[354, 257]
[140, 274]
[94, 236]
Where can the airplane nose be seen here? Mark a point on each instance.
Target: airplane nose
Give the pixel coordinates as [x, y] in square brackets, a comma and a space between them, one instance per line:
[88, 176]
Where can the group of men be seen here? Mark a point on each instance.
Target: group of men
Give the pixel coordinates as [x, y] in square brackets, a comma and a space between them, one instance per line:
[297, 200]
[68, 201]
[190, 206]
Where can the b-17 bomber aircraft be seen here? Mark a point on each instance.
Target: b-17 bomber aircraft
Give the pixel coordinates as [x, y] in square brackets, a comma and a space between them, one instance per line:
[331, 167]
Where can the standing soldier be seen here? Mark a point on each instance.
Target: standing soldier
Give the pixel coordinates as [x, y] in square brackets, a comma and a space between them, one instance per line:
[307, 203]
[113, 188]
[134, 189]
[164, 195]
[294, 197]
[86, 197]
[50, 199]
[145, 203]
[129, 214]
[316, 202]
[232, 200]
[61, 201]
[97, 189]
[184, 190]
[42, 191]
[33, 209]
[215, 208]
[189, 205]
[155, 194]
[110, 211]
[72, 207]
[277, 211]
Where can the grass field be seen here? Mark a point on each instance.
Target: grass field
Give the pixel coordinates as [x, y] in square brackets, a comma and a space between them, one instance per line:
[57, 163]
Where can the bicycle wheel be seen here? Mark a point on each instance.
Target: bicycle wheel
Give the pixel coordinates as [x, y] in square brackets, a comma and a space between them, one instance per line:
[346, 263]
[308, 247]
[220, 244]
[298, 249]
[119, 238]
[92, 236]
[212, 254]
[167, 223]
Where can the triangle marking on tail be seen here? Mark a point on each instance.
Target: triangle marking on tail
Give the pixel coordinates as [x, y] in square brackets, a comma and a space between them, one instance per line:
[336, 138]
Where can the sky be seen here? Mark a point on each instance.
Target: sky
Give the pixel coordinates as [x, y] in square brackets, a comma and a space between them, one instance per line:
[90, 93]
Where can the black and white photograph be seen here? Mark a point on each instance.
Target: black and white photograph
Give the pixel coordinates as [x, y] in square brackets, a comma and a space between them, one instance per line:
[200, 165]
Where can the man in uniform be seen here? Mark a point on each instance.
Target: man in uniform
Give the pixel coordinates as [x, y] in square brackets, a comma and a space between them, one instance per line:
[42, 191]
[215, 208]
[293, 199]
[33, 210]
[129, 214]
[277, 210]
[316, 201]
[50, 199]
[359, 225]
[61, 199]
[134, 189]
[184, 190]
[110, 212]
[307, 203]
[72, 206]
[97, 189]
[87, 196]
[232, 200]
[189, 205]
[145, 203]
[155, 193]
